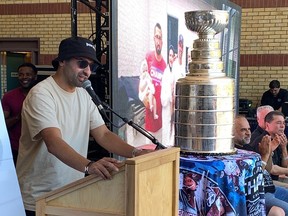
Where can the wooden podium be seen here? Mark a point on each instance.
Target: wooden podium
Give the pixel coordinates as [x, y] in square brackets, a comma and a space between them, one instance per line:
[146, 185]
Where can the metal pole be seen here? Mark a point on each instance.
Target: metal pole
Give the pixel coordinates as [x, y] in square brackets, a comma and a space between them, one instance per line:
[73, 18]
[98, 29]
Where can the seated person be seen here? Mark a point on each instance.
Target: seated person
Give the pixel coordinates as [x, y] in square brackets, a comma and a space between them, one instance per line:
[276, 198]
[275, 126]
[275, 96]
[260, 113]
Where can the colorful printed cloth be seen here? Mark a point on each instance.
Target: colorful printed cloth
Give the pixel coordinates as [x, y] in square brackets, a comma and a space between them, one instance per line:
[221, 185]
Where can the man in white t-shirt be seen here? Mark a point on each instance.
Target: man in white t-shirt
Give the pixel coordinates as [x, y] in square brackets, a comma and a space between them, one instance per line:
[168, 101]
[57, 118]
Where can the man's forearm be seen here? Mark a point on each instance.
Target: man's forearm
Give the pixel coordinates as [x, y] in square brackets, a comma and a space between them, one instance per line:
[267, 163]
[277, 170]
[284, 161]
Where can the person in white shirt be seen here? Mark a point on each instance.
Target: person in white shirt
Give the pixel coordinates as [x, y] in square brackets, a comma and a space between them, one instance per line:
[179, 66]
[168, 101]
[57, 118]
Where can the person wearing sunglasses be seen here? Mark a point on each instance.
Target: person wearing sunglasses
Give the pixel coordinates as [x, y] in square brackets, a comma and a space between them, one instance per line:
[57, 118]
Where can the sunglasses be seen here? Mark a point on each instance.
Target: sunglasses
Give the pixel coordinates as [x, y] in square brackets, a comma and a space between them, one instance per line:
[84, 63]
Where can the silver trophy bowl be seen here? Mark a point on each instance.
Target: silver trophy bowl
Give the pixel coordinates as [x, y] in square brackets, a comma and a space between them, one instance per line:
[206, 22]
[204, 99]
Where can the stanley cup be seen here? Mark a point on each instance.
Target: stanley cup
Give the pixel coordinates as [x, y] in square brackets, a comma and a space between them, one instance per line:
[204, 101]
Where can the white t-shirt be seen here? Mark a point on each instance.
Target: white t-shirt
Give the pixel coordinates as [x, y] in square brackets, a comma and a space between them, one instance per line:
[167, 94]
[179, 70]
[48, 105]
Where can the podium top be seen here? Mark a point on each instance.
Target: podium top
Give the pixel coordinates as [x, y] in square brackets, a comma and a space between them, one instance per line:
[153, 155]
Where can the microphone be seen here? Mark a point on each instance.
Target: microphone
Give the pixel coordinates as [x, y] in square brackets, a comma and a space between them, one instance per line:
[87, 85]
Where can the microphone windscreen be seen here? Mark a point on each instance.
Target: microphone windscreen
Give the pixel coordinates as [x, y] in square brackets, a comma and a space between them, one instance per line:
[86, 83]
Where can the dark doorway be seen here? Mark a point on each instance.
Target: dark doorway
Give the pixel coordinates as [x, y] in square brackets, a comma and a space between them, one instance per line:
[172, 37]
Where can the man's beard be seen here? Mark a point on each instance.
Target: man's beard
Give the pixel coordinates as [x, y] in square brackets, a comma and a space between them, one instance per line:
[158, 51]
[245, 141]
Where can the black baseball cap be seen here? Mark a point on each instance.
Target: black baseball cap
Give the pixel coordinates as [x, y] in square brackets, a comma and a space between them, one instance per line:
[75, 47]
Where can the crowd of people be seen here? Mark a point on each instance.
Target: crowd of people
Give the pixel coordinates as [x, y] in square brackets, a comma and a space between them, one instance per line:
[270, 141]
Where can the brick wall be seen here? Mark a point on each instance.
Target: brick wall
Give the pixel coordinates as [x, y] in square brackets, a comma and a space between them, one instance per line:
[264, 46]
[48, 20]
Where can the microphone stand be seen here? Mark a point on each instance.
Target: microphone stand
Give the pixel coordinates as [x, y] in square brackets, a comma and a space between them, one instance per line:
[136, 127]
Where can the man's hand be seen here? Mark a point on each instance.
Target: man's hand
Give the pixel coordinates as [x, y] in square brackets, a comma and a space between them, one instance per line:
[283, 140]
[104, 167]
[265, 147]
[275, 142]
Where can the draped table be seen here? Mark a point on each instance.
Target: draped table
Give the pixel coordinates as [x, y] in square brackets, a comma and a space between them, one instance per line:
[221, 185]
